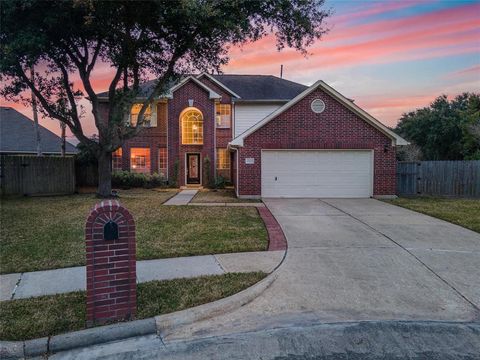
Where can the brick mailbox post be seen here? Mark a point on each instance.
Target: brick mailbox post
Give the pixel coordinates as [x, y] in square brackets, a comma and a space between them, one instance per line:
[111, 264]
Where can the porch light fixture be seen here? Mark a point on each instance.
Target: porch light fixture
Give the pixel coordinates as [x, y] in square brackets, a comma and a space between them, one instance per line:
[190, 102]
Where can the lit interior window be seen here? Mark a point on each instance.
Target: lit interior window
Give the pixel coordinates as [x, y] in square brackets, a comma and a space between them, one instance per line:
[140, 160]
[134, 115]
[223, 159]
[162, 162]
[117, 160]
[192, 127]
[223, 115]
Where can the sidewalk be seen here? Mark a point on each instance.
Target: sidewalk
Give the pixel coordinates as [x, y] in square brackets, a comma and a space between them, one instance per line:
[185, 197]
[38, 283]
[182, 198]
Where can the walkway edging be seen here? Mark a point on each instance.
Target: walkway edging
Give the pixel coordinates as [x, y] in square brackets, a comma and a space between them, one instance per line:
[159, 325]
[276, 237]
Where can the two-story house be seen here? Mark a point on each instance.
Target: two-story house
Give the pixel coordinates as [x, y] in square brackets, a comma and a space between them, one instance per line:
[269, 136]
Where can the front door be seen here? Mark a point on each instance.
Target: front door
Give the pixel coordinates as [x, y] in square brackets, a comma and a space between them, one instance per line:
[193, 168]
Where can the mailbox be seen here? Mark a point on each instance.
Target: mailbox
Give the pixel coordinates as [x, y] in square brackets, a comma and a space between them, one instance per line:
[110, 231]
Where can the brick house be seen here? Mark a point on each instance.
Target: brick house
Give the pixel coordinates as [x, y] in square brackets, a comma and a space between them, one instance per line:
[270, 137]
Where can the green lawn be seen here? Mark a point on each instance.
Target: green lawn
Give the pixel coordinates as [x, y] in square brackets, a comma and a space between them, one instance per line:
[48, 232]
[219, 196]
[463, 212]
[55, 314]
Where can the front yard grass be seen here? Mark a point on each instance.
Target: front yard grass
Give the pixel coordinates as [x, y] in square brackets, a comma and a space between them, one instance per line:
[55, 314]
[219, 196]
[463, 212]
[48, 232]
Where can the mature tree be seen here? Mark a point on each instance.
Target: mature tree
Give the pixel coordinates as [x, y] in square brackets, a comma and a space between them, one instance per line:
[446, 130]
[161, 39]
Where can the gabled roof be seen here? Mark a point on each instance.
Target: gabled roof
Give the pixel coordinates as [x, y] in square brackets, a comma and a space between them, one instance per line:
[215, 81]
[248, 88]
[396, 139]
[212, 94]
[17, 135]
[261, 87]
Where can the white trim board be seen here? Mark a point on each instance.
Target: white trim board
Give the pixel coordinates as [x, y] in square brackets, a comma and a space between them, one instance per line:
[215, 81]
[396, 139]
[212, 94]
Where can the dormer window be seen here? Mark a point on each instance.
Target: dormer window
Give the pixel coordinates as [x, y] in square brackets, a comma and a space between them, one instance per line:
[223, 116]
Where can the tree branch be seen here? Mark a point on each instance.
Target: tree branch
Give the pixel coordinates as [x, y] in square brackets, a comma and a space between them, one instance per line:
[49, 109]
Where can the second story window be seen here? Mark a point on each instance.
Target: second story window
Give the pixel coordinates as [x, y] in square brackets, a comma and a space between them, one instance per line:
[223, 116]
[192, 127]
[150, 118]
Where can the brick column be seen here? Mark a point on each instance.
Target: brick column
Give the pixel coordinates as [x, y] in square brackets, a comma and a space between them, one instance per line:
[111, 264]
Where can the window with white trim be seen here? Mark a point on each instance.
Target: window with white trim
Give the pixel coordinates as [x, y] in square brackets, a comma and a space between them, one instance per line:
[149, 116]
[192, 127]
[162, 162]
[140, 160]
[223, 159]
[117, 160]
[223, 116]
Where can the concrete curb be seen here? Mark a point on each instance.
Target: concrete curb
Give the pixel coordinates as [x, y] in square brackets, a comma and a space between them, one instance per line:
[162, 325]
[167, 323]
[245, 204]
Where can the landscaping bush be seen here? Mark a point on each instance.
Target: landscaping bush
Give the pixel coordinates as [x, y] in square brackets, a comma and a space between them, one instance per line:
[220, 182]
[174, 176]
[126, 180]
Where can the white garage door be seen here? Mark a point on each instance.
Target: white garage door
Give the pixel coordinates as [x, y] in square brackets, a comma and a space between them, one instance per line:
[317, 173]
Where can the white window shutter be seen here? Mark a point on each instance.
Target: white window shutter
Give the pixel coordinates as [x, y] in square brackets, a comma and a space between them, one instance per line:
[153, 119]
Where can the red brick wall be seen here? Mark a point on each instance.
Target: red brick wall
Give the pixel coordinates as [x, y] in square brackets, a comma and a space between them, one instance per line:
[175, 149]
[222, 136]
[300, 128]
[111, 265]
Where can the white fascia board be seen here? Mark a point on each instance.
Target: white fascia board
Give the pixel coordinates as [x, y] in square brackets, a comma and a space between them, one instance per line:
[396, 139]
[215, 81]
[212, 94]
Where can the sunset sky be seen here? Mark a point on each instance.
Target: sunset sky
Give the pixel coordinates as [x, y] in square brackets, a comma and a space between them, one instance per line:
[390, 56]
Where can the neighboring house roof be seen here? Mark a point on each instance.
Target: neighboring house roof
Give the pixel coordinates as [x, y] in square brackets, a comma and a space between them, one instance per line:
[261, 87]
[17, 135]
[396, 139]
[242, 87]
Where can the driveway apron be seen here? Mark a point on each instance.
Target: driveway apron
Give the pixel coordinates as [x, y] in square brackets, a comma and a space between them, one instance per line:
[359, 259]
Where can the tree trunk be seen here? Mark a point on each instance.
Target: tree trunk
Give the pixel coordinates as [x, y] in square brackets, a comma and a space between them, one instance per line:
[63, 146]
[35, 116]
[104, 175]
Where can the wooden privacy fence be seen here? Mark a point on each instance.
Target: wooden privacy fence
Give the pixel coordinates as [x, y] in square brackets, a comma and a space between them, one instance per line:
[86, 174]
[30, 175]
[439, 178]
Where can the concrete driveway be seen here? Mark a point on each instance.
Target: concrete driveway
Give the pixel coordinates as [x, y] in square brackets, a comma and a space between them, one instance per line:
[360, 259]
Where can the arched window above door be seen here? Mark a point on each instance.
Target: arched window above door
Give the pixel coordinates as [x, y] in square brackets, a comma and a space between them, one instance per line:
[191, 120]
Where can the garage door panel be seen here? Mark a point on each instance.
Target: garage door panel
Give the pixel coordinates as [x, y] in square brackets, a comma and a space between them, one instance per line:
[316, 173]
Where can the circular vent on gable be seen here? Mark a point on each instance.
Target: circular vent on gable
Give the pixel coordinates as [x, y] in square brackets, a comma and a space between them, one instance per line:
[317, 106]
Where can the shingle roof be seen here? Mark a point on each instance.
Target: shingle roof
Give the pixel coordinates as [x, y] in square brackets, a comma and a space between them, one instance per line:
[248, 87]
[17, 134]
[261, 87]
[145, 88]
